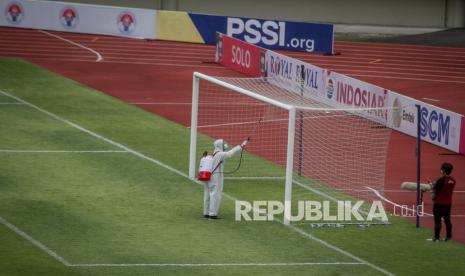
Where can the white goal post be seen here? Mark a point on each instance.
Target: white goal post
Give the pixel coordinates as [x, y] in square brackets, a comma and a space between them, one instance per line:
[295, 138]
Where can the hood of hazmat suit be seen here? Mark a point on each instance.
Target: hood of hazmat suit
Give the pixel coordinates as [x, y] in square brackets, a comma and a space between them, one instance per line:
[220, 145]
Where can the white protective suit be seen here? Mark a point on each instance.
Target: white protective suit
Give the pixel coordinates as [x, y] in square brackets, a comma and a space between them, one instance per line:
[214, 187]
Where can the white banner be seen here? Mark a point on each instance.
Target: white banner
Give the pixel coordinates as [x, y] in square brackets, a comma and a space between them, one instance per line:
[80, 18]
[344, 91]
[437, 126]
[287, 73]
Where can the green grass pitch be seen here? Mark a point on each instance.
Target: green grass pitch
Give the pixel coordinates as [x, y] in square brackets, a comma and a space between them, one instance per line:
[84, 205]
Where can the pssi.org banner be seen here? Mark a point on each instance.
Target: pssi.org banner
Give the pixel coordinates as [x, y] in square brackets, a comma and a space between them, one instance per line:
[269, 34]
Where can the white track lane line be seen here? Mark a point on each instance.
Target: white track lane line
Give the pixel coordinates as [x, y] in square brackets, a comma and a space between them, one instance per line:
[173, 170]
[99, 56]
[403, 78]
[403, 206]
[431, 99]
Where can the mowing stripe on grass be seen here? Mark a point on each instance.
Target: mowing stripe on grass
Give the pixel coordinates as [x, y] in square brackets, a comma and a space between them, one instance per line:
[220, 264]
[143, 156]
[34, 242]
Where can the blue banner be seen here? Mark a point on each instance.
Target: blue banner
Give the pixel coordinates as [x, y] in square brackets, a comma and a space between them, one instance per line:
[269, 34]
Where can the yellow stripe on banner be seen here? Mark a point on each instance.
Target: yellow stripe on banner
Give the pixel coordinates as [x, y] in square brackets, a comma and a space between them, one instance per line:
[176, 26]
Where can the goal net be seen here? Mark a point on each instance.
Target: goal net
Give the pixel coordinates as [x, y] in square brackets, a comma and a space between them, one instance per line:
[301, 147]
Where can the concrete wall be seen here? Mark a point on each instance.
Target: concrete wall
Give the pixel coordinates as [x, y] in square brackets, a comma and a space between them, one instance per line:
[407, 13]
[455, 16]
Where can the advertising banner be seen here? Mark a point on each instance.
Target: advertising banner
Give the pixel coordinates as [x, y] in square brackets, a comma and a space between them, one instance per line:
[462, 137]
[269, 34]
[437, 126]
[295, 75]
[240, 56]
[80, 18]
[346, 92]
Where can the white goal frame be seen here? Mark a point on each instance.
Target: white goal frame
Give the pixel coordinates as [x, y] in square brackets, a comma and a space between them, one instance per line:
[290, 133]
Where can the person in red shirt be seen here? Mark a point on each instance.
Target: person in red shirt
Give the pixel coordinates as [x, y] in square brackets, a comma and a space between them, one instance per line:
[441, 194]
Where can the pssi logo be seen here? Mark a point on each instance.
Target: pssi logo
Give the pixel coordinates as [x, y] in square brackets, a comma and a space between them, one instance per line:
[126, 22]
[69, 17]
[434, 125]
[267, 32]
[329, 88]
[14, 13]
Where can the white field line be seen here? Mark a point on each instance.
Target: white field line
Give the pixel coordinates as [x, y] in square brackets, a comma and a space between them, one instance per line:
[195, 65]
[152, 51]
[99, 57]
[61, 151]
[404, 207]
[103, 46]
[393, 203]
[34, 242]
[219, 264]
[145, 57]
[173, 170]
[66, 263]
[19, 52]
[13, 103]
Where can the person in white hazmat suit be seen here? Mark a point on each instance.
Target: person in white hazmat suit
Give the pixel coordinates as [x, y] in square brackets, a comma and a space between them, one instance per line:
[214, 188]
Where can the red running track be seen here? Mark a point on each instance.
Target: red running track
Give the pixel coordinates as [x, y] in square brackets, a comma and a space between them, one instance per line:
[157, 76]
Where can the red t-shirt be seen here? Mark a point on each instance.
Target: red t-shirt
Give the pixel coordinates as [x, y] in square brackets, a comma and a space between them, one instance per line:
[444, 187]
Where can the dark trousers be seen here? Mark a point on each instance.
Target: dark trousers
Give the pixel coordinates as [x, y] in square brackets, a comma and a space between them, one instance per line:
[442, 211]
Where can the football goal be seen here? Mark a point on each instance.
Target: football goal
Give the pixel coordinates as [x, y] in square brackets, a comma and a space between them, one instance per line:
[311, 146]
